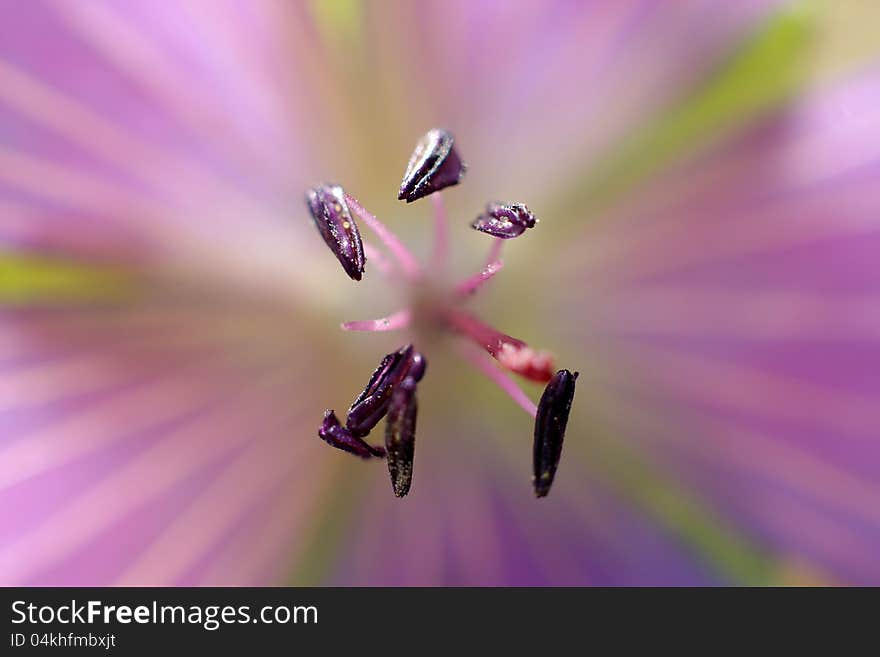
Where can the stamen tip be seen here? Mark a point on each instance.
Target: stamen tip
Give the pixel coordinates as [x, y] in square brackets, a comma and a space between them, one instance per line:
[550, 424]
[434, 165]
[505, 220]
[334, 221]
[372, 404]
[541, 488]
[400, 436]
[335, 435]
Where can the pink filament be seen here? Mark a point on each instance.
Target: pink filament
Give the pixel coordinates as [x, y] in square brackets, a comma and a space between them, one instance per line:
[406, 259]
[473, 283]
[376, 257]
[513, 354]
[487, 337]
[499, 378]
[495, 251]
[393, 322]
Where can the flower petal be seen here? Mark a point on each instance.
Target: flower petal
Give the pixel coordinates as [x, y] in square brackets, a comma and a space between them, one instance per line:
[732, 310]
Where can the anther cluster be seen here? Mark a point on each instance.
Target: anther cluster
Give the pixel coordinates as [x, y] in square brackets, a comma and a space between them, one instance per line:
[390, 393]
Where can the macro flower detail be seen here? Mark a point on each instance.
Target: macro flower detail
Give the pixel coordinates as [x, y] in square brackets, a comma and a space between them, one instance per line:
[706, 178]
[372, 404]
[434, 165]
[391, 390]
[333, 219]
[333, 433]
[400, 436]
[553, 410]
[505, 221]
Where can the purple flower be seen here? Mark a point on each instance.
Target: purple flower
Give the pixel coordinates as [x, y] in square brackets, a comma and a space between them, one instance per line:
[707, 258]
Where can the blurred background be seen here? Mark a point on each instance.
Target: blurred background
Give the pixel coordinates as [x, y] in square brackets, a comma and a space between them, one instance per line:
[707, 176]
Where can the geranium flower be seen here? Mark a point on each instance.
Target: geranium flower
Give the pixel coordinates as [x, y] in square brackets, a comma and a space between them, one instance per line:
[705, 258]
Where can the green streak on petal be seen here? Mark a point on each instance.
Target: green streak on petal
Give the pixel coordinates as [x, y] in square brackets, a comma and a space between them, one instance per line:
[338, 21]
[338, 502]
[27, 279]
[628, 471]
[762, 73]
[692, 522]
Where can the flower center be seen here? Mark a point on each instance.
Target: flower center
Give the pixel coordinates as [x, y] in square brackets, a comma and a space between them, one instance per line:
[434, 308]
[430, 303]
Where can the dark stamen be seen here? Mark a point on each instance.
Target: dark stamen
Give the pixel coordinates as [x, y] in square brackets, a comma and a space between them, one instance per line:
[372, 404]
[400, 436]
[550, 423]
[504, 220]
[419, 365]
[391, 391]
[334, 221]
[333, 433]
[434, 165]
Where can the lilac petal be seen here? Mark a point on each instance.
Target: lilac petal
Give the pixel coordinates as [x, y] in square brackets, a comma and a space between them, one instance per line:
[596, 73]
[497, 536]
[333, 219]
[434, 165]
[129, 416]
[182, 130]
[733, 312]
